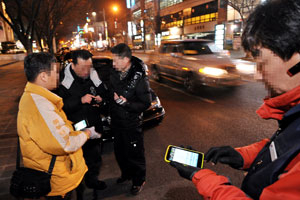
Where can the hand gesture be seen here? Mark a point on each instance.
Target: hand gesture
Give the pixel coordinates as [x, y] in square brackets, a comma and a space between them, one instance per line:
[93, 133]
[225, 155]
[87, 98]
[119, 99]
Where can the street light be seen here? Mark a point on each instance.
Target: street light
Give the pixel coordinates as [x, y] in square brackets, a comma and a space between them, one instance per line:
[115, 10]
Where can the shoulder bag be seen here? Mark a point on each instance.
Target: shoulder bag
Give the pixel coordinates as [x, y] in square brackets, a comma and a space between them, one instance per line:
[30, 183]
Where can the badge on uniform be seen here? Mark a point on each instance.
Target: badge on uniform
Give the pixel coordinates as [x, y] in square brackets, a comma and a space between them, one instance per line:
[273, 152]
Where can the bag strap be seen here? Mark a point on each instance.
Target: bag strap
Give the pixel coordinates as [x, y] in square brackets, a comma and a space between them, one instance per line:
[18, 155]
[51, 166]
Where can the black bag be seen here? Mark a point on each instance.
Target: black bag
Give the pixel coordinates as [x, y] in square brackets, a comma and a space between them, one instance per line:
[30, 183]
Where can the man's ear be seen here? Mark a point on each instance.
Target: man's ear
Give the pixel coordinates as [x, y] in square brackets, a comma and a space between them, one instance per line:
[127, 59]
[43, 76]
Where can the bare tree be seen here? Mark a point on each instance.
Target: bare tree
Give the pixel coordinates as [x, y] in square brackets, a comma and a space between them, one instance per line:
[52, 15]
[21, 15]
[243, 7]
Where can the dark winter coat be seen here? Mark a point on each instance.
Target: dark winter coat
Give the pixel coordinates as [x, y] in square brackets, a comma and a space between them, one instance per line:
[72, 88]
[135, 88]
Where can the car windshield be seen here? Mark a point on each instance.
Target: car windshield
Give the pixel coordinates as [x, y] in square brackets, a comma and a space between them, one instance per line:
[196, 48]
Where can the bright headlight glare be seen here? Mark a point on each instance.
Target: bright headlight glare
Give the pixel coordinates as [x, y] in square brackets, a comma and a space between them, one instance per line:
[246, 68]
[212, 71]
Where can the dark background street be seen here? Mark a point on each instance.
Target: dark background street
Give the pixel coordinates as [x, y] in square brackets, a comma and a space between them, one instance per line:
[212, 117]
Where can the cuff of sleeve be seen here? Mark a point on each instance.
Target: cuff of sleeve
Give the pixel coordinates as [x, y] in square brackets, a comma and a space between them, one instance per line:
[87, 135]
[207, 181]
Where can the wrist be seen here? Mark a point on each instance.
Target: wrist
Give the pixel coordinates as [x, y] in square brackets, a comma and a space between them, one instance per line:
[87, 132]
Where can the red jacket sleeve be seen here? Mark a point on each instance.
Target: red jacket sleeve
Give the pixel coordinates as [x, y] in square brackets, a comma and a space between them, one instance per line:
[212, 186]
[250, 152]
[287, 187]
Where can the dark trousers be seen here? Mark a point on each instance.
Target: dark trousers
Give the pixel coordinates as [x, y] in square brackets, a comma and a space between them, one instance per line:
[130, 153]
[92, 155]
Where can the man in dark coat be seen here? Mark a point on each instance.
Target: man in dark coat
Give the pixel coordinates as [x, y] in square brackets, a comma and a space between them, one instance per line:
[81, 90]
[129, 97]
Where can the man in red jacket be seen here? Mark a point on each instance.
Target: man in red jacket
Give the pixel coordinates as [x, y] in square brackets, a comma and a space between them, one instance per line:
[273, 165]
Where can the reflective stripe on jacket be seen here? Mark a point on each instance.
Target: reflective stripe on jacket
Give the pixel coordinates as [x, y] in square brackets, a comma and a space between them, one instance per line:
[45, 131]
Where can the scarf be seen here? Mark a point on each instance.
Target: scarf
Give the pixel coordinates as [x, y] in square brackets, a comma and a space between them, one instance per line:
[276, 107]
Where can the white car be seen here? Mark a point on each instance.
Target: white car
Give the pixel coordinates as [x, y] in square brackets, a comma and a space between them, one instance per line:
[193, 63]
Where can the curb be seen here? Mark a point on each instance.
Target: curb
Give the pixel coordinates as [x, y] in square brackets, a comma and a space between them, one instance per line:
[2, 65]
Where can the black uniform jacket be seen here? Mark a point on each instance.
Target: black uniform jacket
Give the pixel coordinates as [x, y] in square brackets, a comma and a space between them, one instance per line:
[72, 88]
[135, 88]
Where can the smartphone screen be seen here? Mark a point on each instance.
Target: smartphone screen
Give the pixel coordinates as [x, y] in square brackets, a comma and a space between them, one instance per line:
[80, 125]
[185, 156]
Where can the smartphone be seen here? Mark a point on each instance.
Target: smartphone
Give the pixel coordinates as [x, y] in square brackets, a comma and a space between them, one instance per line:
[184, 156]
[80, 125]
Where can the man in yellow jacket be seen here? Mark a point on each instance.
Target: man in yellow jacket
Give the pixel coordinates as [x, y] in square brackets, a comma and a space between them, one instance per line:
[44, 129]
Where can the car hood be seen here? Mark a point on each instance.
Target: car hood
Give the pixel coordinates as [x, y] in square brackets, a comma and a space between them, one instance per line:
[210, 60]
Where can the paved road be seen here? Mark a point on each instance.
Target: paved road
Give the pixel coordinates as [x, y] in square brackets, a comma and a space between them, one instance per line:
[210, 118]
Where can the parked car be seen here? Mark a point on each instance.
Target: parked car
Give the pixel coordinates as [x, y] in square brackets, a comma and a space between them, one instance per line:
[193, 63]
[153, 115]
[63, 54]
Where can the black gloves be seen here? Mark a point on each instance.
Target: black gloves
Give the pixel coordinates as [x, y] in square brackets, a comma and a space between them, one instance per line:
[225, 155]
[185, 171]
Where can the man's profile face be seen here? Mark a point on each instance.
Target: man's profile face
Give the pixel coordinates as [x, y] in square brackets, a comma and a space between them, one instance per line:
[53, 77]
[119, 63]
[83, 67]
[274, 73]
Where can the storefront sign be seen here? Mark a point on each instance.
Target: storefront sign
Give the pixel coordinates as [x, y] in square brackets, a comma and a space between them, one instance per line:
[202, 27]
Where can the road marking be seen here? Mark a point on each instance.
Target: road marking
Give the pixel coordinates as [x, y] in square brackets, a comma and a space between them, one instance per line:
[178, 90]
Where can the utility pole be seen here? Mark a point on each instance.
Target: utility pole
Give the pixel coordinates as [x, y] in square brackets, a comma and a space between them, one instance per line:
[143, 24]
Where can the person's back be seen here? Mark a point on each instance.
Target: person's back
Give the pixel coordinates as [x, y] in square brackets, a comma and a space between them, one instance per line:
[44, 129]
[39, 131]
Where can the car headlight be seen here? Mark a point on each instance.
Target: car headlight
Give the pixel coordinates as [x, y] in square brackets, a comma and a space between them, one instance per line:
[212, 71]
[155, 103]
[246, 68]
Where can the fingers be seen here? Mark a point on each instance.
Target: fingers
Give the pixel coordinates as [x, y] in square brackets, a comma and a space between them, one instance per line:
[215, 154]
[116, 96]
[210, 153]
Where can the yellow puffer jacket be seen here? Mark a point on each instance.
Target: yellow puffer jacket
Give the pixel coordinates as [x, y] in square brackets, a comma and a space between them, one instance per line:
[44, 131]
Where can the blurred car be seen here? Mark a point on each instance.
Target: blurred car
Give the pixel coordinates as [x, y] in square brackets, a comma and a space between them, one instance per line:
[153, 115]
[10, 47]
[194, 63]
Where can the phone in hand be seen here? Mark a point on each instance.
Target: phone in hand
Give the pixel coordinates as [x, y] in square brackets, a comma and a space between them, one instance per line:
[80, 125]
[184, 156]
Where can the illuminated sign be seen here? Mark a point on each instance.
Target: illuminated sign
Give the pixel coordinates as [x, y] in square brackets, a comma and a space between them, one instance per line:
[220, 35]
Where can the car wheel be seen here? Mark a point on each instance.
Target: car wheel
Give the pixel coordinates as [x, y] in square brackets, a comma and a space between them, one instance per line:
[189, 83]
[155, 74]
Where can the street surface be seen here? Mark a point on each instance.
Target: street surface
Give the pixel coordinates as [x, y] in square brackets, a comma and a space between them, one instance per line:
[212, 117]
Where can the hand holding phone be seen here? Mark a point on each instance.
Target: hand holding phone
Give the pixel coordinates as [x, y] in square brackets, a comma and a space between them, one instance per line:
[80, 125]
[186, 161]
[184, 156]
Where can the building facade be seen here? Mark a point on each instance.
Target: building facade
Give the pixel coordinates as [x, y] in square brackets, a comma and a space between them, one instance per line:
[6, 33]
[153, 21]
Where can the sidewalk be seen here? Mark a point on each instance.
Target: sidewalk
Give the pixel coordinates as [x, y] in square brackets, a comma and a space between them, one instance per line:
[12, 84]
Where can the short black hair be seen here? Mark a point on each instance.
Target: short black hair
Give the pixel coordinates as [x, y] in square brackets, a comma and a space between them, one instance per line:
[35, 63]
[275, 25]
[83, 54]
[122, 50]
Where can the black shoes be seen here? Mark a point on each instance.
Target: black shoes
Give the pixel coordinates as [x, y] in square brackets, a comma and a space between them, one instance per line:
[122, 180]
[136, 189]
[97, 185]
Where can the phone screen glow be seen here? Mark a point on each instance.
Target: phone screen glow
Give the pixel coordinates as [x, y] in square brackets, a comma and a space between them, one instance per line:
[185, 157]
[80, 125]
